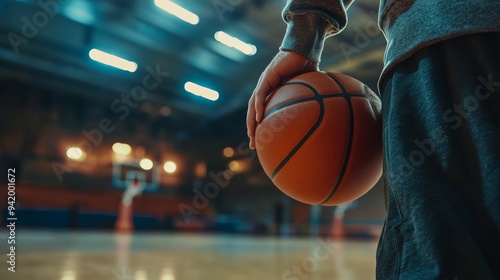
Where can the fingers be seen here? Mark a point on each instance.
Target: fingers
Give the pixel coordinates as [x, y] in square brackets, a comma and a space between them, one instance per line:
[251, 117]
[284, 65]
[270, 80]
[252, 143]
[251, 123]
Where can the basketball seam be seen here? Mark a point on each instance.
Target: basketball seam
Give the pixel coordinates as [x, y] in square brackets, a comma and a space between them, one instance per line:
[298, 101]
[341, 95]
[349, 143]
[308, 134]
[277, 108]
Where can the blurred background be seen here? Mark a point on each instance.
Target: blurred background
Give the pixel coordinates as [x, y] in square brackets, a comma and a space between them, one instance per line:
[102, 96]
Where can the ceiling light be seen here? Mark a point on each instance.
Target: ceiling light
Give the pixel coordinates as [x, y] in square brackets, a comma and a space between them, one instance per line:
[236, 43]
[178, 11]
[170, 167]
[113, 60]
[75, 153]
[121, 148]
[204, 92]
[146, 164]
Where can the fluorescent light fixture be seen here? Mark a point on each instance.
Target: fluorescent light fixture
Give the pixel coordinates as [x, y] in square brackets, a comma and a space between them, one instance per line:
[204, 92]
[112, 60]
[236, 43]
[178, 11]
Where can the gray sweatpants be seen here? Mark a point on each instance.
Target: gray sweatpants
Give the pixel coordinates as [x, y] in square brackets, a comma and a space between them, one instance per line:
[441, 121]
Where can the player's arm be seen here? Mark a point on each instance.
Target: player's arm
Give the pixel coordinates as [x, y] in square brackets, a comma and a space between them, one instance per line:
[309, 23]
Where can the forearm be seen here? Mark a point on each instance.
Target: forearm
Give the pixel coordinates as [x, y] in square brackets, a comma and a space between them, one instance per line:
[310, 22]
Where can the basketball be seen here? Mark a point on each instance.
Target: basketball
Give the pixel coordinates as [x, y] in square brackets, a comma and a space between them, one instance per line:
[320, 140]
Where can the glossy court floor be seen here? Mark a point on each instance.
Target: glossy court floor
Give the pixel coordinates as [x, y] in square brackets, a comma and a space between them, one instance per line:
[44, 255]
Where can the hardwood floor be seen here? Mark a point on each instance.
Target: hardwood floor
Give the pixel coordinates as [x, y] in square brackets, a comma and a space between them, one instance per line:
[45, 255]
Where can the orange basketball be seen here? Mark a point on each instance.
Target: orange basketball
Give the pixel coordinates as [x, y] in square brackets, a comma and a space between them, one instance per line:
[320, 140]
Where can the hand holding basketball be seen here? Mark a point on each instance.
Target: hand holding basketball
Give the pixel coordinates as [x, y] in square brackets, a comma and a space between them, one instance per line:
[320, 140]
[284, 66]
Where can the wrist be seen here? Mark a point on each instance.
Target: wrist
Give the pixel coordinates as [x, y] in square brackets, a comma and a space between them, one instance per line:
[306, 34]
